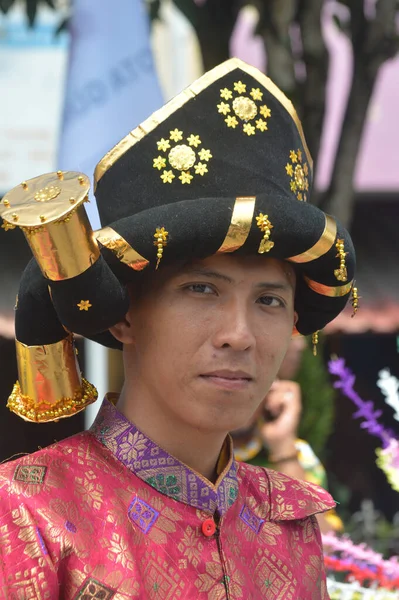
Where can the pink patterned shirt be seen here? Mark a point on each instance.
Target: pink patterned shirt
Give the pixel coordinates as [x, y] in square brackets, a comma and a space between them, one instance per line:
[107, 514]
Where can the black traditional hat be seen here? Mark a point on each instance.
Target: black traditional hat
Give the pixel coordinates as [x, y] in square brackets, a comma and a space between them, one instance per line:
[221, 168]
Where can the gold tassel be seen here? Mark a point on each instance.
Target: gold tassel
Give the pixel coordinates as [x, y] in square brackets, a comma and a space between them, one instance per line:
[315, 341]
[265, 226]
[160, 236]
[355, 300]
[341, 273]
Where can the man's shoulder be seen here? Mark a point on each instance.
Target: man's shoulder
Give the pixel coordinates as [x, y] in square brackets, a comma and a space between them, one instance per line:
[288, 498]
[46, 469]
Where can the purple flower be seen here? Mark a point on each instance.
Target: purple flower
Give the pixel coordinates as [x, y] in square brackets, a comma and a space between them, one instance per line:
[366, 409]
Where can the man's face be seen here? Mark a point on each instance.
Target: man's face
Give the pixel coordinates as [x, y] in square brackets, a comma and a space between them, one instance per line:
[209, 338]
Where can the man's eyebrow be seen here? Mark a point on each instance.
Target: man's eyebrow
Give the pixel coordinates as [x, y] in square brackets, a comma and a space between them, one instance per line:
[206, 273]
[275, 285]
[271, 285]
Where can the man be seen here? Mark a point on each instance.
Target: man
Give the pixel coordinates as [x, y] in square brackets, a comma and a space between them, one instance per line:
[210, 257]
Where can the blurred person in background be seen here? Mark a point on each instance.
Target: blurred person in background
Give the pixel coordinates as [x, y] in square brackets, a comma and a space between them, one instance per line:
[270, 438]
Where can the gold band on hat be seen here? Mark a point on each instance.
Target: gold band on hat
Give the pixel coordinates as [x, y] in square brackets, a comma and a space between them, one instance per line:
[109, 238]
[240, 225]
[50, 386]
[322, 246]
[326, 290]
[50, 211]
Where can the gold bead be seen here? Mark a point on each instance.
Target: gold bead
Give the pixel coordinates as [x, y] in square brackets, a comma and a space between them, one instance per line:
[72, 200]
[6, 203]
[24, 185]
[159, 254]
[42, 218]
[60, 175]
[15, 217]
[81, 179]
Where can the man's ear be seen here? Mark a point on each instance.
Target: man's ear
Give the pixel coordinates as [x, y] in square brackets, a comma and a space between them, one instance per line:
[123, 331]
[295, 331]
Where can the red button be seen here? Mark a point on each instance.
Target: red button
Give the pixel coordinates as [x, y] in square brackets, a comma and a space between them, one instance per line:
[208, 527]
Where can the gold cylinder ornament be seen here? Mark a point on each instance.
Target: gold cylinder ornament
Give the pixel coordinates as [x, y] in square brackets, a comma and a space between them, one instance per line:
[57, 229]
[64, 249]
[50, 385]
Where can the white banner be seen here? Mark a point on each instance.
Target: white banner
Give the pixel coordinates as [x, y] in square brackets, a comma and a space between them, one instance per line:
[32, 67]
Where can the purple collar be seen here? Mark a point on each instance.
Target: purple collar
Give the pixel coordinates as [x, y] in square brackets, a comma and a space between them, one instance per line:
[159, 469]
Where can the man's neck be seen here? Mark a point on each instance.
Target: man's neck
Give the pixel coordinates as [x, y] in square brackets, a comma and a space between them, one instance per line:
[198, 450]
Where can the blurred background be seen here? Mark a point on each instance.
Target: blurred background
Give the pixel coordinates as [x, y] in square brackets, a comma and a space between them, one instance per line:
[75, 77]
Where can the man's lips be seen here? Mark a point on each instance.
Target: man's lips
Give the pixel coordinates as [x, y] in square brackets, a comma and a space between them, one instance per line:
[228, 380]
[227, 374]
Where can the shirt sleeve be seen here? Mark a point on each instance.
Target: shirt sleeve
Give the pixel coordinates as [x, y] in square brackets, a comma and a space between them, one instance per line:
[26, 567]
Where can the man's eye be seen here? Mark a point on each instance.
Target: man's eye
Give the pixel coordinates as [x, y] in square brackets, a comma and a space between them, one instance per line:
[200, 288]
[271, 301]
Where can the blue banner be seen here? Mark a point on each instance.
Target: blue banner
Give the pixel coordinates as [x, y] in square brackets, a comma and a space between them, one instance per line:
[111, 85]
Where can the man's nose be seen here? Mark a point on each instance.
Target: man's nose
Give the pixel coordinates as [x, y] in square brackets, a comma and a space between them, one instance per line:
[233, 327]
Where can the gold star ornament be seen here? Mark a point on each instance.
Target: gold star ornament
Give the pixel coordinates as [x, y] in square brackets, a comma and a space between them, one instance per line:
[240, 109]
[298, 172]
[181, 161]
[159, 162]
[84, 305]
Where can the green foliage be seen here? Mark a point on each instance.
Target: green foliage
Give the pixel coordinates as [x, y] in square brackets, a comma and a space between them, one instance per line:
[318, 400]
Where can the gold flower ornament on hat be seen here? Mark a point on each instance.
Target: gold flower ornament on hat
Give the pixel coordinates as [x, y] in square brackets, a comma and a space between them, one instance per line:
[182, 161]
[244, 109]
[298, 171]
